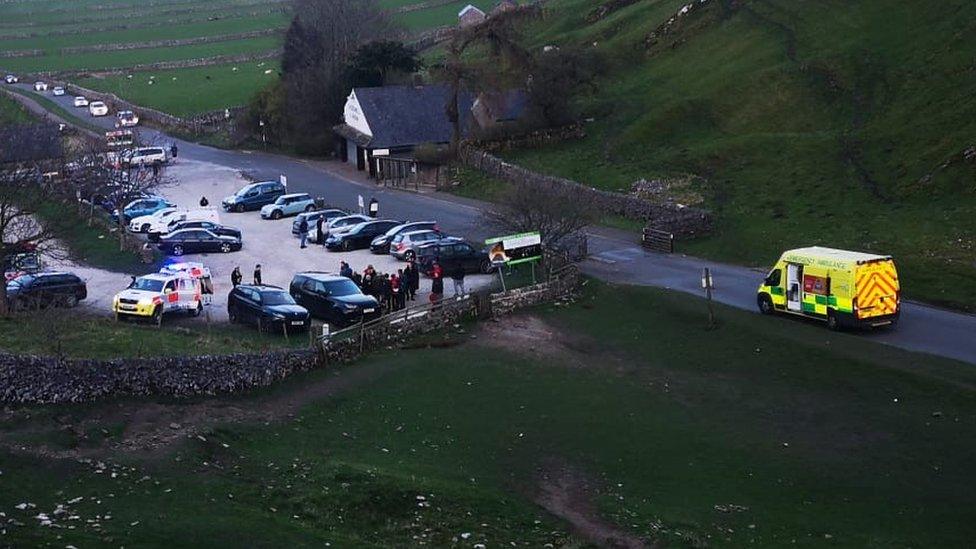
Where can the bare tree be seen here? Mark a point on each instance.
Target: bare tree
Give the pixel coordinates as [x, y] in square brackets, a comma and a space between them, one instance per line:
[553, 209]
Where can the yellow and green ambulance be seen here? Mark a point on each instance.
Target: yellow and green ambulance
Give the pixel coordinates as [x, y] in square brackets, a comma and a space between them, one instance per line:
[846, 289]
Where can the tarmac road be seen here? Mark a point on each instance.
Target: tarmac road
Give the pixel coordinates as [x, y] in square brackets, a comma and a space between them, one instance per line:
[615, 256]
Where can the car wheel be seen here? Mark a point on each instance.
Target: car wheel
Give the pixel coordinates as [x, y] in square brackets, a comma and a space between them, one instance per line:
[71, 301]
[486, 267]
[157, 316]
[276, 214]
[260, 326]
[225, 247]
[346, 245]
[178, 250]
[145, 227]
[196, 312]
[310, 207]
[232, 315]
[765, 304]
[833, 324]
[239, 208]
[410, 255]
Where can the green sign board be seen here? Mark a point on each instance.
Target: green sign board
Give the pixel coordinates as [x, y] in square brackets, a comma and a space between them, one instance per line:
[515, 249]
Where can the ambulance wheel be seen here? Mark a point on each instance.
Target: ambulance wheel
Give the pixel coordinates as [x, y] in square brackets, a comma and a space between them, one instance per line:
[240, 208]
[833, 324]
[157, 316]
[765, 304]
[225, 247]
[198, 310]
[178, 249]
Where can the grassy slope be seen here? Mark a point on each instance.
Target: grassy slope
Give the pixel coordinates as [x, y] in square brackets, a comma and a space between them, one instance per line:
[185, 92]
[12, 113]
[770, 103]
[815, 434]
[440, 15]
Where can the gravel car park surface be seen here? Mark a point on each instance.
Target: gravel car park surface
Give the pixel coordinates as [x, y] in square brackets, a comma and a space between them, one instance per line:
[268, 242]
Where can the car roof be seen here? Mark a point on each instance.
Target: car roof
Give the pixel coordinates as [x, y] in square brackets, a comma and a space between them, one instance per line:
[161, 276]
[424, 231]
[445, 240]
[261, 287]
[49, 273]
[321, 276]
[293, 195]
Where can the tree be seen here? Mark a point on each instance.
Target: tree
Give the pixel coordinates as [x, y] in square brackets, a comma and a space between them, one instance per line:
[374, 63]
[558, 75]
[548, 206]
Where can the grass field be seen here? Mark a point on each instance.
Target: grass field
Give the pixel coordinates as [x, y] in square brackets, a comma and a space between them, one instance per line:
[764, 432]
[440, 15]
[12, 113]
[811, 123]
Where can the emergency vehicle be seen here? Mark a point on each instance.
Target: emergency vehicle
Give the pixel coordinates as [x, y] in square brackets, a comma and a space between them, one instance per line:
[117, 141]
[843, 288]
[181, 287]
[20, 259]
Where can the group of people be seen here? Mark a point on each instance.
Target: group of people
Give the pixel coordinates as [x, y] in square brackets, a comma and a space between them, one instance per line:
[391, 290]
[236, 277]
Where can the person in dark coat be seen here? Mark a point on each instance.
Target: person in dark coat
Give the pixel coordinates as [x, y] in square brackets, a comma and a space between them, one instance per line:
[412, 280]
[204, 202]
[374, 207]
[257, 275]
[400, 290]
[303, 231]
[367, 286]
[357, 279]
[173, 150]
[236, 277]
[457, 276]
[318, 230]
[345, 270]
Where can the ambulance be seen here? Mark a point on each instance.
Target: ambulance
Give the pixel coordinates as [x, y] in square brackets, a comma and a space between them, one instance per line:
[180, 287]
[843, 288]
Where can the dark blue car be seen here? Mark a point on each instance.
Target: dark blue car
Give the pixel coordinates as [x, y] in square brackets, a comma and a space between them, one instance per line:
[254, 196]
[141, 207]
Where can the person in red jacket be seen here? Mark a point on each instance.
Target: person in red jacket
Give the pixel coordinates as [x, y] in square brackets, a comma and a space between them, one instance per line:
[437, 282]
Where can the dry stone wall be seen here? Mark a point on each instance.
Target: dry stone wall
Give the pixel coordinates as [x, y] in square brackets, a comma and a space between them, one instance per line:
[170, 43]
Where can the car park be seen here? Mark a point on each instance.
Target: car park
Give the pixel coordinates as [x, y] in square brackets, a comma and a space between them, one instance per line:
[58, 91]
[126, 119]
[40, 86]
[80, 101]
[141, 207]
[59, 289]
[270, 308]
[215, 228]
[142, 223]
[342, 224]
[11, 79]
[404, 245]
[288, 204]
[170, 290]
[253, 196]
[381, 244]
[195, 241]
[313, 217]
[332, 298]
[97, 108]
[451, 252]
[144, 156]
[165, 224]
[359, 236]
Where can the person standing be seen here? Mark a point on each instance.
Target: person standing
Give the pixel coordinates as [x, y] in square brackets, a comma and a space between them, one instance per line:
[173, 150]
[374, 207]
[204, 202]
[345, 270]
[236, 277]
[437, 282]
[368, 282]
[395, 291]
[257, 275]
[357, 279]
[318, 230]
[413, 280]
[303, 231]
[402, 295]
[457, 276]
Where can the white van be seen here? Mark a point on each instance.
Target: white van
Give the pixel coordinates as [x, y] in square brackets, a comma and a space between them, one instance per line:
[144, 156]
[166, 224]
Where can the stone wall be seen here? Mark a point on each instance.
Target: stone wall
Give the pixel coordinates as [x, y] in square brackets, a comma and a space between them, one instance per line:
[431, 38]
[170, 43]
[533, 139]
[682, 221]
[10, 54]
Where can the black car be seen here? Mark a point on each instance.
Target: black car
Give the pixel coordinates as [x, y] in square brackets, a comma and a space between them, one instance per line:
[334, 299]
[267, 307]
[46, 289]
[215, 228]
[313, 217]
[194, 241]
[381, 244]
[451, 252]
[359, 236]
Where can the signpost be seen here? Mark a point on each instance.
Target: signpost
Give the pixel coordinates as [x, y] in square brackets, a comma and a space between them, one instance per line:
[284, 180]
[514, 249]
[362, 205]
[708, 286]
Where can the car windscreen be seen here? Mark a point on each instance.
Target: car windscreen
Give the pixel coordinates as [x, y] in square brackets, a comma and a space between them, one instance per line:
[276, 298]
[245, 190]
[147, 284]
[341, 288]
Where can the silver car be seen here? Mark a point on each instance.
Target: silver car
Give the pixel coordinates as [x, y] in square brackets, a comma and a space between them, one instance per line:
[404, 245]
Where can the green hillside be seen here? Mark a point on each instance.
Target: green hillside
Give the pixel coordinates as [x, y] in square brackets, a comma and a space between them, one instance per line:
[839, 123]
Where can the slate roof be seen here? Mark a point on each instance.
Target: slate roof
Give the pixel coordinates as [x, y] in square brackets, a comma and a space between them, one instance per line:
[403, 116]
[29, 143]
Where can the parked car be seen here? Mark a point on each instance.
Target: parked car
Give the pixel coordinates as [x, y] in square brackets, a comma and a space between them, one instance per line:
[215, 228]
[143, 223]
[359, 236]
[97, 108]
[404, 245]
[126, 119]
[144, 156]
[313, 217]
[381, 244]
[332, 298]
[80, 101]
[58, 91]
[267, 307]
[37, 290]
[253, 196]
[141, 207]
[195, 241]
[288, 204]
[11, 79]
[165, 224]
[342, 224]
[451, 252]
[40, 86]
